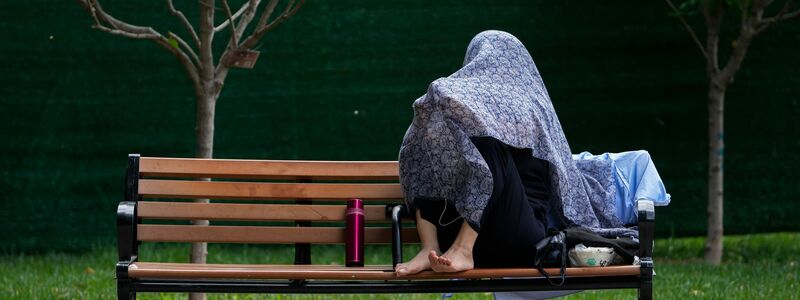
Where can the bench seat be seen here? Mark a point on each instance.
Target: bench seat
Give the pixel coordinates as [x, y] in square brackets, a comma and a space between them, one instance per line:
[339, 272]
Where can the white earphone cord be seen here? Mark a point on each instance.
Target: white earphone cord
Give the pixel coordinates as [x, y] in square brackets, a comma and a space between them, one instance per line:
[444, 209]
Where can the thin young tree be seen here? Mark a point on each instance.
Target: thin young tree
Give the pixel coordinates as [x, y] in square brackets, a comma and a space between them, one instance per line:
[194, 50]
[753, 19]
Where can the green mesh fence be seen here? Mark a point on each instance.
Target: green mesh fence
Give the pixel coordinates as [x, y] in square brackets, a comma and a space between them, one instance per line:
[337, 81]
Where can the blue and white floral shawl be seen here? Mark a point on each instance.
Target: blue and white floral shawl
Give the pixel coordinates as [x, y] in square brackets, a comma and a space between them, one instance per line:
[498, 93]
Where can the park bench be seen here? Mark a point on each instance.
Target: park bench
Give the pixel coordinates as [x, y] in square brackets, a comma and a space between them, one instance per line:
[303, 203]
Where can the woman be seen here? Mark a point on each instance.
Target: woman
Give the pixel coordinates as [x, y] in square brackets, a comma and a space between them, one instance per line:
[485, 161]
[512, 222]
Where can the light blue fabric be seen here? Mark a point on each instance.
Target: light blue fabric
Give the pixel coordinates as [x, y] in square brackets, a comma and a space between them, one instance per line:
[635, 177]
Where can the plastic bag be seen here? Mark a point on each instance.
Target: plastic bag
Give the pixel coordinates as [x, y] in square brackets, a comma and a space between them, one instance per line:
[582, 256]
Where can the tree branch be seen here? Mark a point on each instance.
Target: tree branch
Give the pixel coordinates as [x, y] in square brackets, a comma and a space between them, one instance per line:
[757, 9]
[783, 14]
[263, 28]
[787, 16]
[185, 22]
[234, 38]
[100, 16]
[117, 27]
[248, 17]
[139, 36]
[262, 21]
[221, 69]
[191, 68]
[235, 16]
[185, 47]
[689, 29]
[728, 72]
[748, 30]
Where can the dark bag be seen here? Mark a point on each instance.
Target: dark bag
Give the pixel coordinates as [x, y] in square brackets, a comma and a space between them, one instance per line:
[624, 247]
[551, 252]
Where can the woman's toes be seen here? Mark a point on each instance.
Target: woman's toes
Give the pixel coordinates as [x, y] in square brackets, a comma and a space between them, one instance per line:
[433, 257]
[444, 260]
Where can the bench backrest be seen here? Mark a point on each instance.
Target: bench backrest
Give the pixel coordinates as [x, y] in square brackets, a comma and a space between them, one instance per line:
[284, 199]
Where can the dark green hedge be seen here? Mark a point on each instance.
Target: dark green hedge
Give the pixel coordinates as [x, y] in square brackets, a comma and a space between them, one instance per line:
[622, 75]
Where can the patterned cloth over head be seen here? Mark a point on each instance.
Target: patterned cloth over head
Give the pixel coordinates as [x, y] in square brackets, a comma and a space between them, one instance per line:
[499, 93]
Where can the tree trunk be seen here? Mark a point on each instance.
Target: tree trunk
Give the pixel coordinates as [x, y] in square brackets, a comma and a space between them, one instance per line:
[716, 146]
[206, 103]
[204, 134]
[718, 82]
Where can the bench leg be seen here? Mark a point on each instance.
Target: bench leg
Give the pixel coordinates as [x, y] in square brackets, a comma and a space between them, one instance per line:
[124, 290]
[646, 279]
[646, 290]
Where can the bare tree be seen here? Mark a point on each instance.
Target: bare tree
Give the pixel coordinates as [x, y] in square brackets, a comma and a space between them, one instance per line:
[194, 51]
[752, 22]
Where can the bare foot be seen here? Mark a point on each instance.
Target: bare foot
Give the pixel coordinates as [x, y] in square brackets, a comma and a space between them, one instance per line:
[456, 259]
[417, 264]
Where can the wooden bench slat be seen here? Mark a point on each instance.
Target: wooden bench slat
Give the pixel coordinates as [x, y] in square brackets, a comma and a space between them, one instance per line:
[267, 190]
[263, 234]
[378, 272]
[268, 169]
[252, 212]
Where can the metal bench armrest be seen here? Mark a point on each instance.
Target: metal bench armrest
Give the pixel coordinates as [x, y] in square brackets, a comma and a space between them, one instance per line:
[397, 212]
[647, 217]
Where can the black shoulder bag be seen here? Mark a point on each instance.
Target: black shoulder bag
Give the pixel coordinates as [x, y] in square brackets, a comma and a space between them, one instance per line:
[551, 252]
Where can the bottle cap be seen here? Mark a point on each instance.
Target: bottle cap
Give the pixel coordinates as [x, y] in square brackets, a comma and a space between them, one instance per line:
[355, 203]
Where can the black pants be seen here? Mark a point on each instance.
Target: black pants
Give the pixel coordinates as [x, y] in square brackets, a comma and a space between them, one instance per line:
[509, 226]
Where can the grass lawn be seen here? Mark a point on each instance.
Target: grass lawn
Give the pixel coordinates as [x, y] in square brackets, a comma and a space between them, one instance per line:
[762, 266]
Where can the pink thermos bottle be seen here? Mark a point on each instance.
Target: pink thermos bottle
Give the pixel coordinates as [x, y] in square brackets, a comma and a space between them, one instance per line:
[354, 242]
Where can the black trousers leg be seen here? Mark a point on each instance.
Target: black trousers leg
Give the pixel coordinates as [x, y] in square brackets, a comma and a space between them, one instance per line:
[509, 229]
